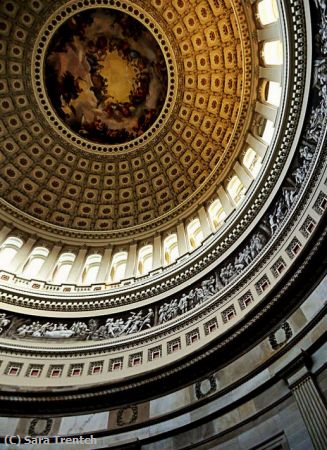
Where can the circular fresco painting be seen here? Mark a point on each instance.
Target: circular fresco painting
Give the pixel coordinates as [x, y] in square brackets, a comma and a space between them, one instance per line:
[105, 76]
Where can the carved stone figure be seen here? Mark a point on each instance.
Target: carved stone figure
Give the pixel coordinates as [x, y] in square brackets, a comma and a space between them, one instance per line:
[314, 127]
[191, 298]
[129, 322]
[110, 327]
[162, 313]
[80, 329]
[322, 5]
[305, 153]
[224, 275]
[148, 320]
[272, 223]
[199, 295]
[306, 156]
[209, 286]
[93, 324]
[299, 175]
[290, 196]
[239, 263]
[136, 323]
[183, 303]
[3, 322]
[173, 309]
[257, 243]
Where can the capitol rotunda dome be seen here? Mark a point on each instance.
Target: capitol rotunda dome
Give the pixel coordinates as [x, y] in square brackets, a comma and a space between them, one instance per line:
[162, 222]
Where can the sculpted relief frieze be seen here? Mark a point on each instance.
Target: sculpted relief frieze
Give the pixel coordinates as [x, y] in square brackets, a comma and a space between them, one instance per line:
[207, 289]
[167, 310]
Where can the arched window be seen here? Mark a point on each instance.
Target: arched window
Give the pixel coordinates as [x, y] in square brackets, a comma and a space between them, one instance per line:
[171, 251]
[272, 53]
[91, 269]
[64, 265]
[8, 251]
[194, 232]
[236, 189]
[267, 11]
[145, 260]
[118, 266]
[217, 214]
[252, 161]
[274, 92]
[268, 131]
[35, 262]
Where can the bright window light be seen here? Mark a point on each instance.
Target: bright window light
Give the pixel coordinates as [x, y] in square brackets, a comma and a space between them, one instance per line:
[63, 268]
[91, 269]
[268, 11]
[236, 189]
[35, 262]
[252, 162]
[171, 250]
[145, 260]
[195, 234]
[268, 132]
[8, 251]
[274, 93]
[118, 266]
[273, 53]
[217, 214]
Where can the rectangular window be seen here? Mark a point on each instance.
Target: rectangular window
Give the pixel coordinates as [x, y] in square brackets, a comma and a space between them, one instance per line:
[13, 371]
[156, 354]
[295, 249]
[228, 314]
[212, 327]
[117, 365]
[175, 347]
[280, 267]
[194, 337]
[96, 370]
[323, 203]
[55, 373]
[136, 361]
[310, 227]
[264, 285]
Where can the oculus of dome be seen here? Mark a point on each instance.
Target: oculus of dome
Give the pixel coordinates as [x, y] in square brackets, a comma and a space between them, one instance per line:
[106, 76]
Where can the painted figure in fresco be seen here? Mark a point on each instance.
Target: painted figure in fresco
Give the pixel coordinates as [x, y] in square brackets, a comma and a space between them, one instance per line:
[109, 86]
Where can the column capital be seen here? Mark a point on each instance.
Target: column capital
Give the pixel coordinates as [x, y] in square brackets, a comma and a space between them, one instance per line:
[297, 369]
[309, 399]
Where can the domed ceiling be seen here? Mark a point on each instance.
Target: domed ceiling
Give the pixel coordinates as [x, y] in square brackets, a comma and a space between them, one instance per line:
[120, 120]
[127, 115]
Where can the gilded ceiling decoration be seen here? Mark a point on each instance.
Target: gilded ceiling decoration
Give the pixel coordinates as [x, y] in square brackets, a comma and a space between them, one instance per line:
[106, 76]
[79, 152]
